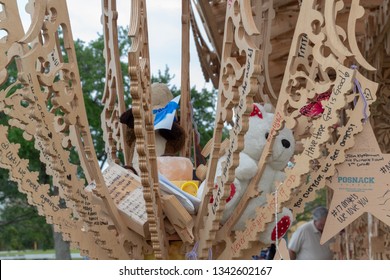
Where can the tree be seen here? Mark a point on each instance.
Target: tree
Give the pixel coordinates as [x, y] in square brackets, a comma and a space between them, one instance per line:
[20, 225]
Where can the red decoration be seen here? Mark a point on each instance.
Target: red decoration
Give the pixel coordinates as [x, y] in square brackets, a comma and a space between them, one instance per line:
[232, 193]
[315, 108]
[283, 225]
[256, 112]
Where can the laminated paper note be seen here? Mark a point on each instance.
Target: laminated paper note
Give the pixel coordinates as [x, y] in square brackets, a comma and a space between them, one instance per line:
[126, 190]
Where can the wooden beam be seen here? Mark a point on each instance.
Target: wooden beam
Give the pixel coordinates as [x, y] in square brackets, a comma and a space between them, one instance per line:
[215, 33]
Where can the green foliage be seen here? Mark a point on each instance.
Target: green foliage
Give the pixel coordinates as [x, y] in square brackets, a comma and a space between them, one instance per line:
[21, 227]
[320, 200]
[203, 104]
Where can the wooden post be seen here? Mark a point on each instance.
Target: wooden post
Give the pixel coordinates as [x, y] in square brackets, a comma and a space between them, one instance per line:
[139, 72]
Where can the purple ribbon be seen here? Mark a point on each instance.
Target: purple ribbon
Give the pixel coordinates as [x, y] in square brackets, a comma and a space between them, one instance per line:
[359, 88]
[193, 255]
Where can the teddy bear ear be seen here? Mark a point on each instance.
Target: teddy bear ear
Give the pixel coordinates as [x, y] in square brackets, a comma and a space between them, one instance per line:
[269, 108]
[127, 118]
[257, 111]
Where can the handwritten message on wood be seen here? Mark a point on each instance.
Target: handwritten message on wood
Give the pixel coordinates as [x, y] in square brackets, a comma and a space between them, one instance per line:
[361, 184]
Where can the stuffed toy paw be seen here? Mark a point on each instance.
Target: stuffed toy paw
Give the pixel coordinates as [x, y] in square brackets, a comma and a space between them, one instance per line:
[275, 231]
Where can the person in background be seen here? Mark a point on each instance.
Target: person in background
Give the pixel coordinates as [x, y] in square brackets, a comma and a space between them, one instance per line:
[305, 241]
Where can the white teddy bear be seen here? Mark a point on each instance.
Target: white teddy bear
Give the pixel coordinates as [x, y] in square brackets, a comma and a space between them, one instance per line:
[255, 139]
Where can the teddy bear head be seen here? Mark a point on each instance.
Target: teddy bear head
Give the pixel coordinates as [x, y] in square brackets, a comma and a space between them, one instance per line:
[168, 141]
[260, 122]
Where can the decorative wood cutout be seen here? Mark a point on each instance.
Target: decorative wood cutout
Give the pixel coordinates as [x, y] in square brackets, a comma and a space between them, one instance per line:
[53, 101]
[335, 152]
[47, 205]
[264, 14]
[239, 72]
[49, 108]
[139, 71]
[308, 73]
[113, 97]
[360, 185]
[12, 25]
[208, 59]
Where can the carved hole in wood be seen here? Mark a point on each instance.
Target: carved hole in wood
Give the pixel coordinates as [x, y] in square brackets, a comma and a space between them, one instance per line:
[61, 40]
[53, 14]
[316, 27]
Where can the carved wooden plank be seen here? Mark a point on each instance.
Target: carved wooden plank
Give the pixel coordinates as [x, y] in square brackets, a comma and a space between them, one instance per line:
[185, 95]
[139, 71]
[208, 58]
[264, 15]
[336, 150]
[299, 85]
[47, 204]
[11, 24]
[113, 96]
[46, 97]
[240, 69]
[212, 30]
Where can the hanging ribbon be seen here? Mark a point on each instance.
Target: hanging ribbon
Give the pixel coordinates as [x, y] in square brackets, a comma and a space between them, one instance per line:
[193, 255]
[358, 87]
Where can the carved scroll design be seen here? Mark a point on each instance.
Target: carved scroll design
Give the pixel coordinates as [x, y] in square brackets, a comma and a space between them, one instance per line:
[239, 72]
[139, 71]
[11, 24]
[113, 97]
[335, 151]
[53, 101]
[310, 71]
[47, 205]
[264, 14]
[208, 59]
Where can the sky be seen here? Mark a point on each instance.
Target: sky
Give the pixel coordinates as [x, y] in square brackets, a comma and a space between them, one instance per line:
[164, 25]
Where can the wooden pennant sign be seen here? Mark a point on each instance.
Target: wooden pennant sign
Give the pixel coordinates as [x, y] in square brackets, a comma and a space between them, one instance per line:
[361, 184]
[326, 166]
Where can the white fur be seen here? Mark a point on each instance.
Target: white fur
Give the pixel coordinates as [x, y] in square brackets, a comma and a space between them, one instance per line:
[254, 143]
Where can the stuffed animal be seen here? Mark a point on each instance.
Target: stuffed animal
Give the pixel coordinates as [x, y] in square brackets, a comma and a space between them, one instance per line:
[168, 141]
[255, 139]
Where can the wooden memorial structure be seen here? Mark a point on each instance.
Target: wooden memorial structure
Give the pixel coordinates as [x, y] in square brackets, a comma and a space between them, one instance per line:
[292, 54]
